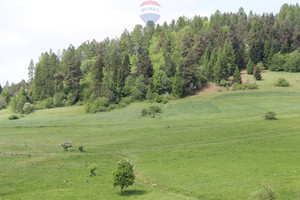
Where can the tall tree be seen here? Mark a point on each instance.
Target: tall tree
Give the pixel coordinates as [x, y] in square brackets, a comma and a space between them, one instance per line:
[144, 65]
[97, 73]
[31, 71]
[73, 74]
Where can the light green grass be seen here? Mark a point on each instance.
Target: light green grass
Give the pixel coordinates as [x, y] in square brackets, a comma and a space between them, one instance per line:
[215, 146]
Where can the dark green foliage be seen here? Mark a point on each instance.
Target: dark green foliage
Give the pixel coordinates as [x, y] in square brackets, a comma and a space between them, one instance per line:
[178, 58]
[3, 103]
[13, 117]
[123, 175]
[237, 79]
[81, 148]
[177, 87]
[0, 89]
[270, 115]
[71, 65]
[281, 82]
[278, 62]
[250, 67]
[257, 72]
[66, 145]
[144, 112]
[153, 110]
[93, 168]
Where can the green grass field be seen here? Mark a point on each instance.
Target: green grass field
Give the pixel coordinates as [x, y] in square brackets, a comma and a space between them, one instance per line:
[214, 146]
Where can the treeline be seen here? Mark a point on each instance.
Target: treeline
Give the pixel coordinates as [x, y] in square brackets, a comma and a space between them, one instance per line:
[162, 61]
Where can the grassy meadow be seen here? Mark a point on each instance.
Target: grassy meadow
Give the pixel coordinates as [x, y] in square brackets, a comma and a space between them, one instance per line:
[210, 146]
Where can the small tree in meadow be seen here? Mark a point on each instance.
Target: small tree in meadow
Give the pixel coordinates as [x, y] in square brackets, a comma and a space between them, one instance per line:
[92, 169]
[66, 145]
[123, 175]
[266, 193]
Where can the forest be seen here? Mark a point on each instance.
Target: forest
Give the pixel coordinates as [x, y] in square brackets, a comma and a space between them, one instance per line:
[161, 62]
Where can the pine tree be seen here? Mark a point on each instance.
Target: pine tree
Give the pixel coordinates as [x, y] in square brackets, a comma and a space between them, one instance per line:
[124, 71]
[177, 87]
[31, 71]
[144, 65]
[73, 73]
[0, 89]
[257, 73]
[237, 76]
[170, 67]
[97, 74]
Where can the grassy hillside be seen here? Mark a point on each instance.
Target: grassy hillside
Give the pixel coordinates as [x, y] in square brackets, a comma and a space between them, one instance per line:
[214, 146]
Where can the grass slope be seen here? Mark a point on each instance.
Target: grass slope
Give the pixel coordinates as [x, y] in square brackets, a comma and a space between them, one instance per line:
[215, 146]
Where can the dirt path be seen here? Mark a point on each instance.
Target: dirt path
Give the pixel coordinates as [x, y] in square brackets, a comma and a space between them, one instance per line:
[244, 77]
[210, 89]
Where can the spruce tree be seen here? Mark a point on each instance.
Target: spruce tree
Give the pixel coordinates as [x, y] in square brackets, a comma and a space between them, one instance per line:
[31, 71]
[97, 74]
[237, 79]
[177, 87]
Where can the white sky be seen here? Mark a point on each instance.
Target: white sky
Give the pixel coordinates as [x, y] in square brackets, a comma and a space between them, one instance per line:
[30, 27]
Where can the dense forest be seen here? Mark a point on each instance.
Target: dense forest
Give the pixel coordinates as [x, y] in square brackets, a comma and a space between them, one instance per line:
[159, 62]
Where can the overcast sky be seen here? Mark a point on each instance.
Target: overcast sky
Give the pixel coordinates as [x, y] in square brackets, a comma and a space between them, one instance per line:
[30, 27]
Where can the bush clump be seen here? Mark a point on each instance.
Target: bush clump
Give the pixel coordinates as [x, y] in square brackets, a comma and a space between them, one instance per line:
[66, 145]
[99, 105]
[270, 115]
[250, 86]
[13, 117]
[281, 82]
[266, 193]
[152, 110]
[28, 108]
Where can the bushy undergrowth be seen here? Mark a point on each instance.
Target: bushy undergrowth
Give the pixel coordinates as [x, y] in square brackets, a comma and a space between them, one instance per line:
[266, 193]
[152, 111]
[3, 103]
[13, 117]
[281, 82]
[66, 145]
[250, 86]
[28, 108]
[270, 115]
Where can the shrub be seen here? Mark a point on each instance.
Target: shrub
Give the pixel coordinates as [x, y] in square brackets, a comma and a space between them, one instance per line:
[66, 145]
[237, 86]
[224, 83]
[144, 112]
[99, 105]
[92, 169]
[127, 100]
[3, 103]
[153, 110]
[13, 117]
[257, 73]
[71, 99]
[270, 115]
[250, 67]
[252, 86]
[58, 100]
[165, 100]
[158, 98]
[28, 108]
[266, 193]
[281, 82]
[48, 103]
[80, 148]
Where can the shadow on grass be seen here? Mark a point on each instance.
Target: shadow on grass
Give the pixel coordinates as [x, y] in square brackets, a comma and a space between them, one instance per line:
[133, 192]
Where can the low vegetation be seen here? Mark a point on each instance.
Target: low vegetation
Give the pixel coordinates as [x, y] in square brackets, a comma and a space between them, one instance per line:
[281, 82]
[66, 145]
[270, 115]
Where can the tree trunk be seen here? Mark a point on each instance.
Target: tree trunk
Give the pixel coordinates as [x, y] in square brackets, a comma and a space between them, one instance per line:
[121, 190]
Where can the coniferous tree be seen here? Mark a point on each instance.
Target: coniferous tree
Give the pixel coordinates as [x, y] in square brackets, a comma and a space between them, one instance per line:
[177, 87]
[0, 89]
[237, 76]
[124, 70]
[144, 65]
[31, 71]
[97, 74]
[73, 73]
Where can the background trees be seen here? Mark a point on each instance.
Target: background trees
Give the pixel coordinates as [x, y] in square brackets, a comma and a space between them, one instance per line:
[177, 58]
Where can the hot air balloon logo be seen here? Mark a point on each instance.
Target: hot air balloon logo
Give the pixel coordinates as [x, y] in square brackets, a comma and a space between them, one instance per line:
[150, 11]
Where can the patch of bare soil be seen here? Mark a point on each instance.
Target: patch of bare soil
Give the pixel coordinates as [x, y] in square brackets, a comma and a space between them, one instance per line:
[210, 89]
